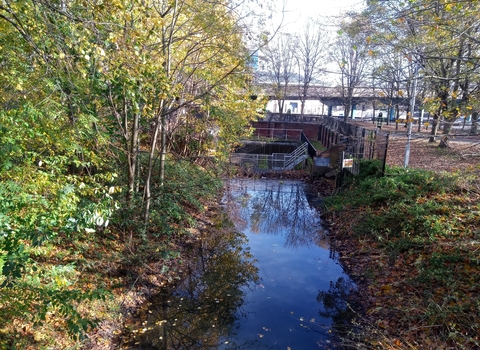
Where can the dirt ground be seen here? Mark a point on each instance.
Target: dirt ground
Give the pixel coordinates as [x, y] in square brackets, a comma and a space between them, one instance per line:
[462, 149]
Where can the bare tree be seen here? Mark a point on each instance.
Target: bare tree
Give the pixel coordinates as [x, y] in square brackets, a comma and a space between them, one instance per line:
[279, 64]
[351, 54]
[311, 50]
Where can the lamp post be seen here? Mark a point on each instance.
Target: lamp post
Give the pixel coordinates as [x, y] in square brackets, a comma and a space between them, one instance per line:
[410, 120]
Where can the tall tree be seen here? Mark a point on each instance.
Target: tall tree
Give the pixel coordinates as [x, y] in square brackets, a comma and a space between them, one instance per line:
[279, 74]
[93, 93]
[351, 54]
[311, 51]
[440, 38]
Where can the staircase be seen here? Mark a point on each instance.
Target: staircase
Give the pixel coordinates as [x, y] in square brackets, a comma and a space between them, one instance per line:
[275, 161]
[296, 157]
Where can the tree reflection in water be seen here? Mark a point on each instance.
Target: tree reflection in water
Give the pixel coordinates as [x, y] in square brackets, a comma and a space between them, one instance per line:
[209, 309]
[278, 208]
[339, 303]
[202, 309]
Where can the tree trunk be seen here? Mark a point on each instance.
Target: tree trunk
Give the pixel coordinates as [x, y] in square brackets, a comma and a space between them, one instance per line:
[302, 108]
[447, 126]
[159, 123]
[474, 129]
[435, 125]
[132, 157]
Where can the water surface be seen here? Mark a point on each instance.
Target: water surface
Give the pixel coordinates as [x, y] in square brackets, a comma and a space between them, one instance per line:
[265, 278]
[297, 270]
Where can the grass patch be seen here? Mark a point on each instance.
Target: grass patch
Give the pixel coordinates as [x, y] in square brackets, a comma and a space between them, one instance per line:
[317, 145]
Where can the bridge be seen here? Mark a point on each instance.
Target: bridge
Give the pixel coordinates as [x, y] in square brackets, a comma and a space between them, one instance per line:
[332, 96]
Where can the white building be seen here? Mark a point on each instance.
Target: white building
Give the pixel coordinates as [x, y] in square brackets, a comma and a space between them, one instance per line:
[311, 107]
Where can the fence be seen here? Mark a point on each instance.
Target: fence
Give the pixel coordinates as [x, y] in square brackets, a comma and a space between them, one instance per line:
[268, 162]
[284, 130]
[312, 152]
[359, 143]
[387, 144]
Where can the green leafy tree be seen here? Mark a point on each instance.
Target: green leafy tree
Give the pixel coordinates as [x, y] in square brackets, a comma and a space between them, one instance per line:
[440, 38]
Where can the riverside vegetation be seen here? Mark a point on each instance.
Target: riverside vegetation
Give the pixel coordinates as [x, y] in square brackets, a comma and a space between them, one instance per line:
[111, 113]
[77, 289]
[410, 239]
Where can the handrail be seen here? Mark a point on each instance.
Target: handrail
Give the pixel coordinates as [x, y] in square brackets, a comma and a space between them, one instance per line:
[295, 155]
[312, 152]
[275, 161]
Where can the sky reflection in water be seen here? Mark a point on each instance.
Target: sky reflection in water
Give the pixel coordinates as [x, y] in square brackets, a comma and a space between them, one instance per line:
[286, 238]
[265, 281]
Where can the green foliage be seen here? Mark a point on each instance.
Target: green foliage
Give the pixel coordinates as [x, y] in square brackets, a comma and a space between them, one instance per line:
[85, 84]
[400, 184]
[38, 301]
[370, 168]
[187, 188]
[43, 193]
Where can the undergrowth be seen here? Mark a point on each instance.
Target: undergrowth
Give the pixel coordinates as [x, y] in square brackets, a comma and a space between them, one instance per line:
[416, 234]
[83, 279]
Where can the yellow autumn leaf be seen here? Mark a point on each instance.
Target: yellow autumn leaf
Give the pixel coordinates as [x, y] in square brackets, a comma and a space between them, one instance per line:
[386, 288]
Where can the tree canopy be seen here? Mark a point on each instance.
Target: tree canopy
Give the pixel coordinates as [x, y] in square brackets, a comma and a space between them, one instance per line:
[96, 98]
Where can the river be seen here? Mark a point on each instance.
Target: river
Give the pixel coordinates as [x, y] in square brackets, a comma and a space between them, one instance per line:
[265, 278]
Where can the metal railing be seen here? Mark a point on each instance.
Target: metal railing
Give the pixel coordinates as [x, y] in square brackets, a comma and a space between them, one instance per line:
[268, 162]
[297, 156]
